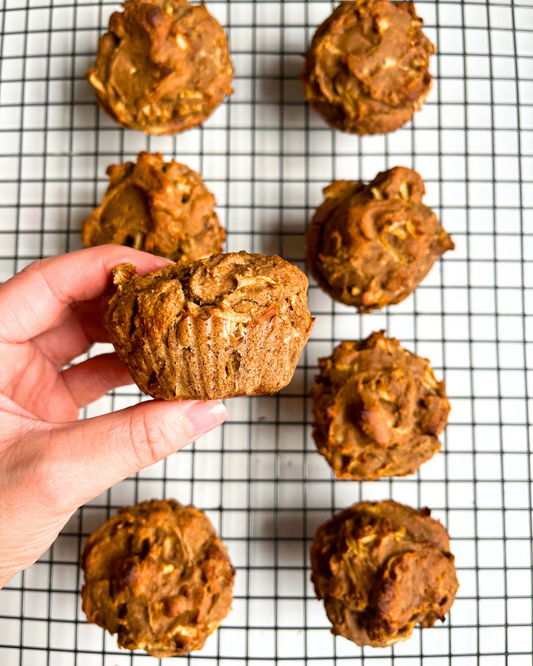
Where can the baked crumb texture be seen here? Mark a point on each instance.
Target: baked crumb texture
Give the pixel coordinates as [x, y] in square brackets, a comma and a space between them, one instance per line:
[382, 568]
[159, 207]
[366, 70]
[371, 245]
[158, 576]
[163, 67]
[377, 409]
[229, 325]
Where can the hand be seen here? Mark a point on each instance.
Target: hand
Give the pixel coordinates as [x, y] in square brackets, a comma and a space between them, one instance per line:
[50, 463]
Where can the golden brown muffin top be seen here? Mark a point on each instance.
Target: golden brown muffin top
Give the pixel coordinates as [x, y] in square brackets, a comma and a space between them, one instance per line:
[158, 576]
[366, 70]
[211, 319]
[378, 409]
[381, 568]
[235, 286]
[370, 245]
[156, 206]
[163, 67]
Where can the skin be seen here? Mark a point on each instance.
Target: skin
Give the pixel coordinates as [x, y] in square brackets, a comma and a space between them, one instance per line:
[52, 463]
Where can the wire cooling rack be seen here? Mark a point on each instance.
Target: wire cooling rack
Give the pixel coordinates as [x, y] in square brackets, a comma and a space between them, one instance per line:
[266, 157]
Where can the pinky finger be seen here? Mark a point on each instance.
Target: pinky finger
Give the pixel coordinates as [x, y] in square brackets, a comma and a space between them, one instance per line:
[93, 378]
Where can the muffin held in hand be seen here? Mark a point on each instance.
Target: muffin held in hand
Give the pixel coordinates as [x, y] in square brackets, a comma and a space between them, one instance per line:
[366, 70]
[225, 326]
[382, 568]
[377, 409]
[158, 576]
[370, 245]
[159, 207]
[163, 67]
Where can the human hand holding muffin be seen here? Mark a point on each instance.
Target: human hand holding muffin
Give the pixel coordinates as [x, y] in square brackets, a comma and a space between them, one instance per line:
[51, 463]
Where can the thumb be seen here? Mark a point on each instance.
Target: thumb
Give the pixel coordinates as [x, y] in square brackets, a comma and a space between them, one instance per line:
[85, 458]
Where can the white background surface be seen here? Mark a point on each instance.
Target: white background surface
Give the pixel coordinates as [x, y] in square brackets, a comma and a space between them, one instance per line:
[266, 157]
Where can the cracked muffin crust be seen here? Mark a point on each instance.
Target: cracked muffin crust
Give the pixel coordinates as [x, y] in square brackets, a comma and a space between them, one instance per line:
[159, 207]
[370, 245]
[382, 568]
[366, 70]
[158, 576]
[163, 67]
[377, 409]
[229, 325]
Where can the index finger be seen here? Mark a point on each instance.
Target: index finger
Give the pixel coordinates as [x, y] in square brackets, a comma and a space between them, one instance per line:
[32, 300]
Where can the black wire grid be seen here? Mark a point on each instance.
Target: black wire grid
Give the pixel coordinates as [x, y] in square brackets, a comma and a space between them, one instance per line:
[266, 157]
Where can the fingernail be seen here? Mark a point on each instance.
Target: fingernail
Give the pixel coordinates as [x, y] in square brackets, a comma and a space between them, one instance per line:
[204, 416]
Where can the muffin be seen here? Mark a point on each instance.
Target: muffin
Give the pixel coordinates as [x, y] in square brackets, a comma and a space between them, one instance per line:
[366, 70]
[377, 409]
[225, 326]
[382, 568]
[370, 245]
[158, 576]
[163, 67]
[159, 207]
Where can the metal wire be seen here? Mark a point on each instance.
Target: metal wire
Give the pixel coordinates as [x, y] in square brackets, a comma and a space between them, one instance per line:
[266, 157]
